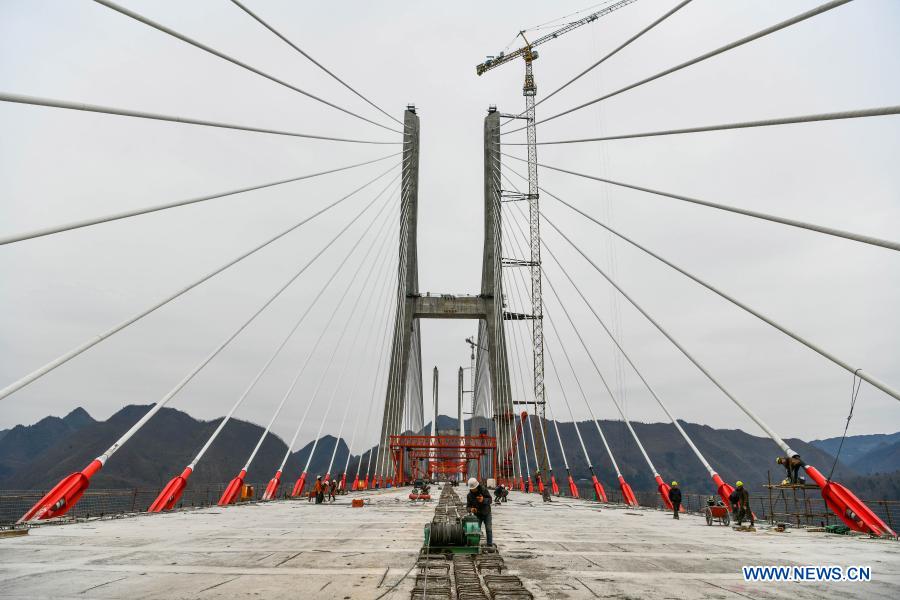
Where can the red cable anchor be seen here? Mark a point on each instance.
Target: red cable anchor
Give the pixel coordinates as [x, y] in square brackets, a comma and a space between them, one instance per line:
[723, 489]
[553, 486]
[627, 493]
[598, 489]
[234, 488]
[850, 509]
[169, 496]
[298, 487]
[664, 489]
[272, 487]
[64, 496]
[573, 489]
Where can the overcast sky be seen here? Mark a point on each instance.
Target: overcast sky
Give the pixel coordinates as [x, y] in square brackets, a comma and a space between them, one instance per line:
[58, 165]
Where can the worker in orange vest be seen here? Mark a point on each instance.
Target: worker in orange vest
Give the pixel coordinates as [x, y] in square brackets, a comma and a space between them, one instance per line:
[319, 490]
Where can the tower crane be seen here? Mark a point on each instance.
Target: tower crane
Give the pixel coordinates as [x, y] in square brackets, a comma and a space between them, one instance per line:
[527, 51]
[529, 90]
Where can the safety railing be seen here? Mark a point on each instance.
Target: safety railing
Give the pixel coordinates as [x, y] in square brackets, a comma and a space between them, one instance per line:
[107, 502]
[798, 506]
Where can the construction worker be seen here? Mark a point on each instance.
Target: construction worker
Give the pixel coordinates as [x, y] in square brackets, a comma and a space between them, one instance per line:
[792, 465]
[319, 490]
[675, 499]
[740, 504]
[500, 493]
[478, 502]
[332, 488]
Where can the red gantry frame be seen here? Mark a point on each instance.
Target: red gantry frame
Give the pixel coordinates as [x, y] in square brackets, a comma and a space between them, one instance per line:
[446, 454]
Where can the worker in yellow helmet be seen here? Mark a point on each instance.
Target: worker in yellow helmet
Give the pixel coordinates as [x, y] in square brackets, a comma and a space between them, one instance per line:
[675, 499]
[740, 502]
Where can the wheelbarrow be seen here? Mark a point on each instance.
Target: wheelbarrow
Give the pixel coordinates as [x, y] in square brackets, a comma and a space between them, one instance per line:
[717, 513]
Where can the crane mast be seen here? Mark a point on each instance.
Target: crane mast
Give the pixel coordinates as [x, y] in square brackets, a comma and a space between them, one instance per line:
[529, 90]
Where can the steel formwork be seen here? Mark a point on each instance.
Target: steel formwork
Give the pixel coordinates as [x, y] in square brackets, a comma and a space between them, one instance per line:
[445, 454]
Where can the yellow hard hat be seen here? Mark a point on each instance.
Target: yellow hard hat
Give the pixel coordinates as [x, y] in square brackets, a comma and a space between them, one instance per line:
[674, 484]
[740, 483]
[779, 460]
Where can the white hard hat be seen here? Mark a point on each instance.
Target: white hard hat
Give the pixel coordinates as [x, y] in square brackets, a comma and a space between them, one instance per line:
[473, 483]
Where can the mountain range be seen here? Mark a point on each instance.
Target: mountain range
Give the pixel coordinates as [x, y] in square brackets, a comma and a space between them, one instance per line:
[37, 456]
[867, 454]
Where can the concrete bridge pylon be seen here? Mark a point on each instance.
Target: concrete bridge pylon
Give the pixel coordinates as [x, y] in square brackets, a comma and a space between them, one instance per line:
[493, 405]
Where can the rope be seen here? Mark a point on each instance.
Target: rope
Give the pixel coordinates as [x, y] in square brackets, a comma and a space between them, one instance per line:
[855, 384]
[150, 209]
[755, 36]
[815, 118]
[865, 239]
[124, 112]
[234, 61]
[312, 60]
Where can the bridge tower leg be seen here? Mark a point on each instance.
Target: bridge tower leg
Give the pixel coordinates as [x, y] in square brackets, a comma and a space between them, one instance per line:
[496, 400]
[404, 385]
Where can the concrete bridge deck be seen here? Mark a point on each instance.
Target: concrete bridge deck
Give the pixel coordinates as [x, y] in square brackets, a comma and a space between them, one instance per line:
[294, 549]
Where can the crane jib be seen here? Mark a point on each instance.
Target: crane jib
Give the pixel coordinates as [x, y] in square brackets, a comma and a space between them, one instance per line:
[496, 61]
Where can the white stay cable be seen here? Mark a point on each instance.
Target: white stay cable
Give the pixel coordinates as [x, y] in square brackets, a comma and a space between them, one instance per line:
[628, 359]
[64, 358]
[381, 376]
[316, 344]
[367, 317]
[234, 61]
[36, 233]
[381, 320]
[519, 368]
[302, 369]
[314, 61]
[275, 354]
[578, 382]
[171, 394]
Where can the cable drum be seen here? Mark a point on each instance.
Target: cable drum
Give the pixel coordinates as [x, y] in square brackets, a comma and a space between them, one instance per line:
[447, 534]
[446, 528]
